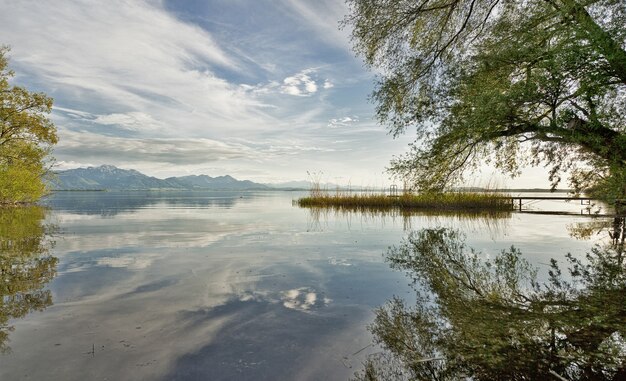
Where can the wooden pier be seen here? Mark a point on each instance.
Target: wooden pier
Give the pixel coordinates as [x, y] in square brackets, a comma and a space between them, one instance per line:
[518, 200]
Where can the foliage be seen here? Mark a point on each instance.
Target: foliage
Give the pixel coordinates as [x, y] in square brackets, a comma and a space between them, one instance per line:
[26, 138]
[513, 82]
[25, 265]
[492, 320]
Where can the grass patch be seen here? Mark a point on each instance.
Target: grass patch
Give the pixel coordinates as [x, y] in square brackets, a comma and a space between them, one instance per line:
[451, 201]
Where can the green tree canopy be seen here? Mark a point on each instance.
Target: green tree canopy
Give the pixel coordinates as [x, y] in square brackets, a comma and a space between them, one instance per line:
[539, 82]
[493, 320]
[26, 138]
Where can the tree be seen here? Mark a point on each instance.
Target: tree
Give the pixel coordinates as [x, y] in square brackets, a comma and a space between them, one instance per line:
[492, 320]
[539, 82]
[26, 138]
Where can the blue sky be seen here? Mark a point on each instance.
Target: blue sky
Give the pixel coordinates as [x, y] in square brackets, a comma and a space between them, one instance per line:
[264, 90]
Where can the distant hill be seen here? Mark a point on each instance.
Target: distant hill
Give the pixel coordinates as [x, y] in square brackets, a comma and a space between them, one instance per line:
[108, 177]
[297, 185]
[220, 182]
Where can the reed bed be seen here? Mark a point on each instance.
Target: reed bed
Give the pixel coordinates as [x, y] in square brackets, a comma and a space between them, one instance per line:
[451, 201]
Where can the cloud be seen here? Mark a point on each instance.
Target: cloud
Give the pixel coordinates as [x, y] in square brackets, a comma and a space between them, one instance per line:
[262, 89]
[343, 122]
[134, 121]
[113, 150]
[279, 148]
[131, 121]
[300, 84]
[132, 62]
[296, 149]
[63, 165]
[124, 30]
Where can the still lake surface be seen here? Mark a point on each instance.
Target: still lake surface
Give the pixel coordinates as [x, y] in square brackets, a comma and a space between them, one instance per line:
[232, 285]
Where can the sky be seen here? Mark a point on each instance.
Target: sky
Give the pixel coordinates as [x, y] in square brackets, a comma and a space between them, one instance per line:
[263, 90]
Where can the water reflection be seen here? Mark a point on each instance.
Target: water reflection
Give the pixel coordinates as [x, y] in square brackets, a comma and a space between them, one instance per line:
[109, 204]
[614, 227]
[492, 320]
[26, 265]
[492, 221]
[618, 232]
[241, 293]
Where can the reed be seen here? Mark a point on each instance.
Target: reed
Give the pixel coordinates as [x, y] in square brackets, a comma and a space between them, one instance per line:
[450, 201]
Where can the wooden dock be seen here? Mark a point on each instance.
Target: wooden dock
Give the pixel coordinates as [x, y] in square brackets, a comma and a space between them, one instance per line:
[519, 199]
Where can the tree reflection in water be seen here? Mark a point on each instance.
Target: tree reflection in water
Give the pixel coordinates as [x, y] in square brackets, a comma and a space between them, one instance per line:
[615, 227]
[492, 320]
[26, 265]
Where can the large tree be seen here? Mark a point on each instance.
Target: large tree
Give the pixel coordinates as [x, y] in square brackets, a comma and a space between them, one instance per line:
[26, 138]
[515, 82]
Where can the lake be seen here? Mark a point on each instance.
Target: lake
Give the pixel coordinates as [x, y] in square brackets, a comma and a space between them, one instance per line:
[224, 285]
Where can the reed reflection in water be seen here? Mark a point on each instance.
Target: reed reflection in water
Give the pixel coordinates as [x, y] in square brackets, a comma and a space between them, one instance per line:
[26, 265]
[492, 320]
[494, 222]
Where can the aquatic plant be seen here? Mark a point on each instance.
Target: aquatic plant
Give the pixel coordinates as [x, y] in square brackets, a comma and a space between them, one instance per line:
[432, 201]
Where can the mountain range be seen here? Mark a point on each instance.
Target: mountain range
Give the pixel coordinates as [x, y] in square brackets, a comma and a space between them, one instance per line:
[108, 177]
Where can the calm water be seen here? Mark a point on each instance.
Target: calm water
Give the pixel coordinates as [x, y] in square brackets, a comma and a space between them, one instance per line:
[221, 286]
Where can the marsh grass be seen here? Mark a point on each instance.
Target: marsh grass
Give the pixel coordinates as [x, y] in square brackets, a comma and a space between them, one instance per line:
[368, 201]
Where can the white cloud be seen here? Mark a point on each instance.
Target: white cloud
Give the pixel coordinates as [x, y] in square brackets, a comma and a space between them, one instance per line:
[261, 89]
[296, 149]
[271, 88]
[134, 121]
[77, 114]
[132, 61]
[343, 122]
[63, 165]
[300, 84]
[114, 150]
[123, 30]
